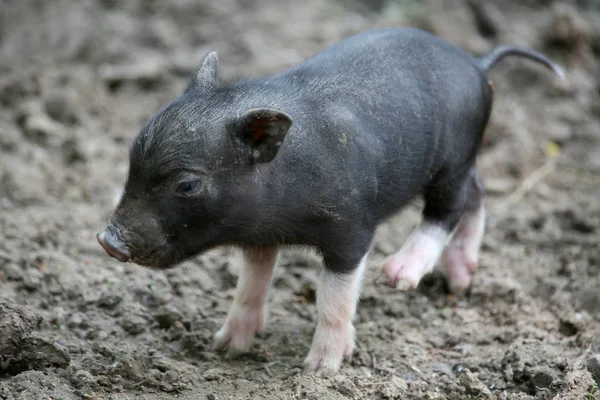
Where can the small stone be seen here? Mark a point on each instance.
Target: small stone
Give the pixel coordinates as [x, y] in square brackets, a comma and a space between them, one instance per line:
[593, 367]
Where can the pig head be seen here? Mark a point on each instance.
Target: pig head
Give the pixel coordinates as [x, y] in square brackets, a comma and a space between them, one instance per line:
[195, 171]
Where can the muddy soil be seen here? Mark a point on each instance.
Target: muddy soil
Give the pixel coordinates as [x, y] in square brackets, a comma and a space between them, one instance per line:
[77, 80]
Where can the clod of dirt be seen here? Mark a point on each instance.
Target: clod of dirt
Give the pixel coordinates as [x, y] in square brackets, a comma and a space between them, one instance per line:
[82, 378]
[19, 349]
[215, 374]
[488, 18]
[589, 299]
[12, 271]
[37, 126]
[569, 326]
[473, 386]
[345, 386]
[393, 388]
[567, 30]
[229, 273]
[146, 72]
[593, 367]
[10, 137]
[167, 316]
[78, 320]
[543, 377]
[15, 88]
[133, 324]
[61, 106]
[33, 279]
[578, 384]
[109, 300]
[72, 151]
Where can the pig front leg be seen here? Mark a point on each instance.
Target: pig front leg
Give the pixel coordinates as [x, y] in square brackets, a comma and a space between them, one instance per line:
[248, 313]
[337, 298]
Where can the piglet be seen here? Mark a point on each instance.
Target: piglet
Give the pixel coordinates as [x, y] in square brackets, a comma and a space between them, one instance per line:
[317, 155]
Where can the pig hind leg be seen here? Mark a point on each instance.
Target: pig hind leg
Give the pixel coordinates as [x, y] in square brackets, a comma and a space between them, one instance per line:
[248, 312]
[460, 257]
[337, 297]
[445, 201]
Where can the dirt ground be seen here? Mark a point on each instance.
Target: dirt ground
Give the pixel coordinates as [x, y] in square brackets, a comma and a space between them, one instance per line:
[77, 81]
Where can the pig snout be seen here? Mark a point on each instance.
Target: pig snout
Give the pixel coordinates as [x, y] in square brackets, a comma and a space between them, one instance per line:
[111, 243]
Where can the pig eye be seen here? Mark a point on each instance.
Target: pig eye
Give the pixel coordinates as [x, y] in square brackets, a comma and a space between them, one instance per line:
[187, 187]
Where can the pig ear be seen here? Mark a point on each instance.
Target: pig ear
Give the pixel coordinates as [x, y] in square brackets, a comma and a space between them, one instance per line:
[262, 130]
[207, 74]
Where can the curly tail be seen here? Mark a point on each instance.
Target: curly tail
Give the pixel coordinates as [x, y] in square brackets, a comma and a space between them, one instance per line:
[487, 62]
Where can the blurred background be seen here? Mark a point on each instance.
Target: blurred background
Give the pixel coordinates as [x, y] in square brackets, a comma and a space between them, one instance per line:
[79, 78]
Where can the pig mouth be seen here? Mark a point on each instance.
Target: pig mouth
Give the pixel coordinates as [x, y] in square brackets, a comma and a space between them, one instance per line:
[162, 257]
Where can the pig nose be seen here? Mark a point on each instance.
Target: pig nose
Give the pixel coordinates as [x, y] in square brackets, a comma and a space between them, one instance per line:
[113, 246]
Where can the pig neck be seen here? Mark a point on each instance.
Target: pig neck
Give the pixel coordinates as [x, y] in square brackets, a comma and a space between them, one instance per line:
[284, 200]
